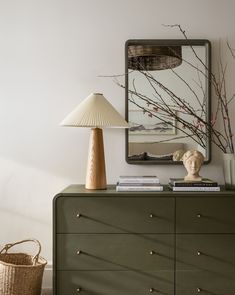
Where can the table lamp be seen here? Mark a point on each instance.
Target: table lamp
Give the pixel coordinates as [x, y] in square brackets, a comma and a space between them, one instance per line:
[95, 112]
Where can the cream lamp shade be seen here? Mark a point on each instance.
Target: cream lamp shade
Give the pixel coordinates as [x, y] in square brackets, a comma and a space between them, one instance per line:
[95, 112]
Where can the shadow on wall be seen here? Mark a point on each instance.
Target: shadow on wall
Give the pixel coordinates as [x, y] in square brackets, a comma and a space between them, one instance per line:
[26, 195]
[18, 227]
[28, 191]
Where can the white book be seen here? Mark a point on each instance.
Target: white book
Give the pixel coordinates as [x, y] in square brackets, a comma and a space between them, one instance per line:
[139, 188]
[138, 179]
[195, 189]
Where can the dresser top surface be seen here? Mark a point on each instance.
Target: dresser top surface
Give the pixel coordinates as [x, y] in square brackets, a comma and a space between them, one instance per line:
[79, 189]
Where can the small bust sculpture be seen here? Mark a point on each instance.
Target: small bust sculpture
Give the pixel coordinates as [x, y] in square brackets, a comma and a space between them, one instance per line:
[193, 161]
[177, 155]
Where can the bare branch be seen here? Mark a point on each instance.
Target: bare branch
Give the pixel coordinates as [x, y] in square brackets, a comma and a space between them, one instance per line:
[191, 120]
[232, 50]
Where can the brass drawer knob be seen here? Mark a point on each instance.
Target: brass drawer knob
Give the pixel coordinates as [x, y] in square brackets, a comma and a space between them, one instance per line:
[79, 252]
[199, 253]
[151, 252]
[151, 290]
[199, 290]
[79, 289]
[151, 215]
[79, 215]
[199, 215]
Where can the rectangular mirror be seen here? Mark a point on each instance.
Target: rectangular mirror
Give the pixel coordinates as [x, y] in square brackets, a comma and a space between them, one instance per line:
[167, 100]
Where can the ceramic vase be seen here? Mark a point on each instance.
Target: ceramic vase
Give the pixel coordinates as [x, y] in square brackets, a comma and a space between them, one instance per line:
[229, 171]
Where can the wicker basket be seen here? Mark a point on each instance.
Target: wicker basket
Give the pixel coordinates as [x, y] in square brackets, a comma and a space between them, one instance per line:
[20, 273]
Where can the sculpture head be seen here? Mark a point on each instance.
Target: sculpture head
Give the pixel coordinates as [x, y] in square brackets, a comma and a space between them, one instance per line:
[193, 161]
[178, 155]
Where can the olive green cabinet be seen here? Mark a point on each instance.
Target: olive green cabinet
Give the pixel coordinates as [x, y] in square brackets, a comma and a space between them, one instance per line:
[205, 243]
[166, 243]
[115, 252]
[207, 213]
[114, 214]
[128, 282]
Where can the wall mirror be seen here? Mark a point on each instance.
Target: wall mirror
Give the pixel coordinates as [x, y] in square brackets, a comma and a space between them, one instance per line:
[167, 100]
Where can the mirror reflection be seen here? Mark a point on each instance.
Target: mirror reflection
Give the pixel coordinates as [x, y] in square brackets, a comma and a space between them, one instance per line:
[167, 100]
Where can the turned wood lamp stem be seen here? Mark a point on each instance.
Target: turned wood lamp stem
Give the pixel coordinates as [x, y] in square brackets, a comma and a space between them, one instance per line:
[96, 175]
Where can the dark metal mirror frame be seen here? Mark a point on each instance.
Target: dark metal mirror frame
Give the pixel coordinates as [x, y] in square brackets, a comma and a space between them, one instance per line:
[168, 42]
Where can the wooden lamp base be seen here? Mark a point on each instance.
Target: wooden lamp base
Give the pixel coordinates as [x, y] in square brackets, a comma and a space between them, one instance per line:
[96, 176]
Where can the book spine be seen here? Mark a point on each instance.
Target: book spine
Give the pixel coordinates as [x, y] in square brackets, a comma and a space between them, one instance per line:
[175, 184]
[195, 189]
[140, 184]
[138, 180]
[139, 189]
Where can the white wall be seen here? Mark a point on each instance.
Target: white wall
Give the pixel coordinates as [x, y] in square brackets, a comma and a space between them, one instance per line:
[51, 54]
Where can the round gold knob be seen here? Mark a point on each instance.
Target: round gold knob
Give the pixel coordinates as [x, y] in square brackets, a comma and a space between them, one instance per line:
[79, 290]
[79, 215]
[151, 215]
[199, 215]
[199, 253]
[151, 252]
[199, 290]
[79, 252]
[151, 290]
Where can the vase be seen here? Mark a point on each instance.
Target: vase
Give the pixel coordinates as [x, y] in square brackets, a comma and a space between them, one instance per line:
[229, 171]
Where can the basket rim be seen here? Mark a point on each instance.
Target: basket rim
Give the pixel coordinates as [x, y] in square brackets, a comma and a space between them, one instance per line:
[43, 260]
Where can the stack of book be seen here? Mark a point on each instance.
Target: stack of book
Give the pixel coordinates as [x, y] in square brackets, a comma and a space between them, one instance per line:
[205, 185]
[139, 184]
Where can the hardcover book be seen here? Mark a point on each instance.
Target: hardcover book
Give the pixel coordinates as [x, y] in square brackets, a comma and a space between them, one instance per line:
[139, 187]
[194, 188]
[180, 182]
[138, 179]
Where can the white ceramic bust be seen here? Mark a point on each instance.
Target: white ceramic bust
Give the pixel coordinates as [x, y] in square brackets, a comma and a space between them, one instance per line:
[193, 161]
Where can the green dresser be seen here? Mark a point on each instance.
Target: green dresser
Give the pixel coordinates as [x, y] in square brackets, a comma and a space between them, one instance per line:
[205, 244]
[166, 243]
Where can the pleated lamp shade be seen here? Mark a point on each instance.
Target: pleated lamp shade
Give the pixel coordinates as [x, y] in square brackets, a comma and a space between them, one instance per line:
[95, 112]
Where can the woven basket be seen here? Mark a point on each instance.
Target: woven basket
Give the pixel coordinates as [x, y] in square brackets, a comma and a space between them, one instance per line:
[20, 273]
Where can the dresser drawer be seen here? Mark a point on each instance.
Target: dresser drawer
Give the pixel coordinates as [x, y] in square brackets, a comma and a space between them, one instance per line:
[205, 283]
[212, 252]
[205, 215]
[114, 215]
[114, 282]
[115, 252]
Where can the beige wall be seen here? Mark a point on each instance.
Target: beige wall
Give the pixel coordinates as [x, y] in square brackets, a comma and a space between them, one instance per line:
[51, 54]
